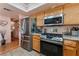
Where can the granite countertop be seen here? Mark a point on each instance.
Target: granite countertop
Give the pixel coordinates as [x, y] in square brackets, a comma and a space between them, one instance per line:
[67, 37]
[48, 40]
[70, 37]
[52, 41]
[36, 34]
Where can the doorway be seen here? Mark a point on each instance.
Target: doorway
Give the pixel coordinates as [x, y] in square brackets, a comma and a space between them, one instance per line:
[14, 30]
[14, 38]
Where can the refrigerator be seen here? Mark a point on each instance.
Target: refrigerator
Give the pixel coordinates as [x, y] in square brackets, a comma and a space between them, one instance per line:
[26, 40]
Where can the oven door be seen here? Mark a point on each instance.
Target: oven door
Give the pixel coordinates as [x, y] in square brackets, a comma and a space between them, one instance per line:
[51, 49]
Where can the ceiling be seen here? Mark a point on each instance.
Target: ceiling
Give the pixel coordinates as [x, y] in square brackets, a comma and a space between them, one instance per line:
[26, 6]
[13, 10]
[13, 13]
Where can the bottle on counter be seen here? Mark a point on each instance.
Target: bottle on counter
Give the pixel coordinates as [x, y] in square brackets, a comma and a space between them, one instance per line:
[74, 31]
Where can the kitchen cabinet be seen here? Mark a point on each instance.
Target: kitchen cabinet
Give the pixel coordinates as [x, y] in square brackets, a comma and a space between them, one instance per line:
[40, 19]
[77, 48]
[36, 42]
[54, 11]
[57, 10]
[69, 51]
[70, 48]
[70, 43]
[70, 11]
[71, 14]
[48, 12]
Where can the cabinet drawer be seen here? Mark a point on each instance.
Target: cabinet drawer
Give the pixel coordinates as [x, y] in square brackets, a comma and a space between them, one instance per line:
[36, 37]
[70, 43]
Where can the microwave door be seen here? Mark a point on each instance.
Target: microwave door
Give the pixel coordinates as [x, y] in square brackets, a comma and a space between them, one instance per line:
[50, 21]
[54, 21]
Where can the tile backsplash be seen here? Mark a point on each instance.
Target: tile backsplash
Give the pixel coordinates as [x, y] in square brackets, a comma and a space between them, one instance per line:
[58, 29]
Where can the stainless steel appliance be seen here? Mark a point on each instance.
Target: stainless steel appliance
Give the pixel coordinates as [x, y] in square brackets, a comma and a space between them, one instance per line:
[26, 41]
[57, 39]
[51, 49]
[54, 20]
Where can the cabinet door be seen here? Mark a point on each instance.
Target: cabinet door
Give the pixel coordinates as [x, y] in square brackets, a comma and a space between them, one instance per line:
[40, 19]
[57, 10]
[69, 51]
[40, 22]
[54, 11]
[71, 14]
[36, 45]
[77, 48]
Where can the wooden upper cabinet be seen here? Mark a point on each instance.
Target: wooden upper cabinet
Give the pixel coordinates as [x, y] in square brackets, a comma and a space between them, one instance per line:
[71, 14]
[57, 10]
[49, 12]
[54, 11]
[40, 19]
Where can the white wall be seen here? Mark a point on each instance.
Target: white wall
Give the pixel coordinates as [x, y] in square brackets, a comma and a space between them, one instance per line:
[20, 18]
[6, 28]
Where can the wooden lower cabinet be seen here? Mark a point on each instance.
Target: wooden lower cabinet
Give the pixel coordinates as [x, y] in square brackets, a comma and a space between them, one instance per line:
[36, 43]
[78, 48]
[77, 51]
[69, 51]
[71, 48]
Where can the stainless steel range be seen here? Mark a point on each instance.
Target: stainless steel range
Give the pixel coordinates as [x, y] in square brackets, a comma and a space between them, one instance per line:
[57, 38]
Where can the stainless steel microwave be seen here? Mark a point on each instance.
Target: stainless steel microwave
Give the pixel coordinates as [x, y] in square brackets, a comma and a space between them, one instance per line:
[54, 20]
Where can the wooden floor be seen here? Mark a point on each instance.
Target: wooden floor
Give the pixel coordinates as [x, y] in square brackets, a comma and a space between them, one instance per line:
[9, 47]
